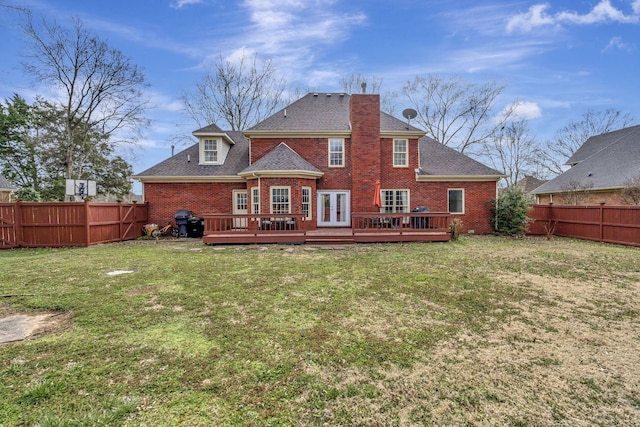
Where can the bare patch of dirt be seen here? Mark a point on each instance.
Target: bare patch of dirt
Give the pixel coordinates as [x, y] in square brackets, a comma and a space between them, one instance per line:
[16, 327]
[568, 357]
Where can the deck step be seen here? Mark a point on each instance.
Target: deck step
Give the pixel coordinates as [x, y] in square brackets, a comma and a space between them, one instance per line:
[333, 240]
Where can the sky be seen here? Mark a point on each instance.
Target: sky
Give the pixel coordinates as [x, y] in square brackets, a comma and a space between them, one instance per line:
[557, 58]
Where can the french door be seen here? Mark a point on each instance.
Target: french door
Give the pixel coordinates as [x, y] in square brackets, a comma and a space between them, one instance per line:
[240, 208]
[334, 208]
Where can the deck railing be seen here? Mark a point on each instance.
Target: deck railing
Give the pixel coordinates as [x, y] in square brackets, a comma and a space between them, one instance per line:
[298, 223]
[401, 221]
[251, 223]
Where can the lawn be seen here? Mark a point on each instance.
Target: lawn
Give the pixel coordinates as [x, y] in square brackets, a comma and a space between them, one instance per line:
[482, 331]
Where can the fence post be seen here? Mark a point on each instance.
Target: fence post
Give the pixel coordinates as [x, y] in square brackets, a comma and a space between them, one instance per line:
[602, 221]
[120, 221]
[17, 223]
[87, 226]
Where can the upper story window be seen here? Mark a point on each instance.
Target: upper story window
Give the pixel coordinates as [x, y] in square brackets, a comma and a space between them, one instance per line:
[336, 152]
[456, 201]
[400, 152]
[210, 150]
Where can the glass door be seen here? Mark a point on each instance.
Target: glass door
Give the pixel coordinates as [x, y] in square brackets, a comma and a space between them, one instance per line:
[334, 209]
[240, 208]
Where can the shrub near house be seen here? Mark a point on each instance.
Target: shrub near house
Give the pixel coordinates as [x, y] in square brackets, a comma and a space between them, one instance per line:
[321, 157]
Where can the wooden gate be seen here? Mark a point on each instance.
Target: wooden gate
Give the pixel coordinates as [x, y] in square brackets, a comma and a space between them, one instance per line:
[8, 226]
[69, 223]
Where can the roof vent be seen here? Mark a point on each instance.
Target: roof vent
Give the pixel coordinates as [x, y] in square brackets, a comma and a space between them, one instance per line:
[315, 94]
[328, 95]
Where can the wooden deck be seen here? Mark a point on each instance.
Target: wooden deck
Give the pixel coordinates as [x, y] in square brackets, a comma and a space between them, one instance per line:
[293, 229]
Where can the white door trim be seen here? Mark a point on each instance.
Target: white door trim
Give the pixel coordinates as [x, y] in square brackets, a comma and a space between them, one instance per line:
[329, 212]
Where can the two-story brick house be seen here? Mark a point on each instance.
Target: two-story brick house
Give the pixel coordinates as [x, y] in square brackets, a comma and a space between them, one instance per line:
[324, 156]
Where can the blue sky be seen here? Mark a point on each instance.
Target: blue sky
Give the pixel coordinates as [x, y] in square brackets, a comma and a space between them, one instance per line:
[558, 58]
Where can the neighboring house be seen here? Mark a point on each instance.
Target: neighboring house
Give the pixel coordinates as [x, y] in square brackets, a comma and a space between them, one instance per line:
[528, 184]
[6, 189]
[600, 169]
[321, 156]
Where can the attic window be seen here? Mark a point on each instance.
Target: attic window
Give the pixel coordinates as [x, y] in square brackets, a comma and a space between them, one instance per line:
[210, 151]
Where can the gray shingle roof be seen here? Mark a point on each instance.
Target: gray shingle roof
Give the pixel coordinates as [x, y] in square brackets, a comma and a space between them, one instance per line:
[439, 160]
[324, 112]
[212, 128]
[607, 162]
[178, 165]
[529, 183]
[5, 184]
[281, 158]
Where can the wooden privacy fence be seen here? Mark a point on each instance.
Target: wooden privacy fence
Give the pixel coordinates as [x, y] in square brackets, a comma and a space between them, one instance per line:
[611, 224]
[28, 225]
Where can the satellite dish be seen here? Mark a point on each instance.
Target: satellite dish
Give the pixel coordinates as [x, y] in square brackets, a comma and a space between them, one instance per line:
[409, 114]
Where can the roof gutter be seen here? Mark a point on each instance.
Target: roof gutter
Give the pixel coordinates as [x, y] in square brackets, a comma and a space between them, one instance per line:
[177, 179]
[459, 178]
[281, 174]
[569, 190]
[297, 134]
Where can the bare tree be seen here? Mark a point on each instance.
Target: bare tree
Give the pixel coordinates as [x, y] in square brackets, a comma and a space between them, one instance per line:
[512, 150]
[571, 137]
[630, 193]
[357, 83]
[354, 84]
[453, 112]
[236, 95]
[389, 102]
[101, 90]
[575, 192]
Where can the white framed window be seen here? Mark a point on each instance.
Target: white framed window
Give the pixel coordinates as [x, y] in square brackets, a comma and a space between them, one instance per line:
[395, 201]
[456, 200]
[255, 200]
[210, 151]
[336, 152]
[400, 153]
[280, 200]
[306, 202]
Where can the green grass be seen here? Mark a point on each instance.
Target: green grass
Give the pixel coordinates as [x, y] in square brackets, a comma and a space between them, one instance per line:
[201, 335]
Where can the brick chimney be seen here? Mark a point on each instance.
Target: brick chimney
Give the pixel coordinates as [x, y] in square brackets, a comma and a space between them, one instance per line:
[364, 114]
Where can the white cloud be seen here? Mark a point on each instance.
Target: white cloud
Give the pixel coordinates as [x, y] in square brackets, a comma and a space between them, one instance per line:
[535, 17]
[602, 12]
[292, 32]
[616, 43]
[522, 110]
[181, 3]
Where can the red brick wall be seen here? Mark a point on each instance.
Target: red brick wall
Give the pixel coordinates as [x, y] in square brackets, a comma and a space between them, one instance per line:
[295, 185]
[365, 150]
[167, 198]
[593, 198]
[477, 197]
[315, 151]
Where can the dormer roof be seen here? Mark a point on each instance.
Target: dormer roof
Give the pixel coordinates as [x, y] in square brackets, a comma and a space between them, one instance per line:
[282, 161]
